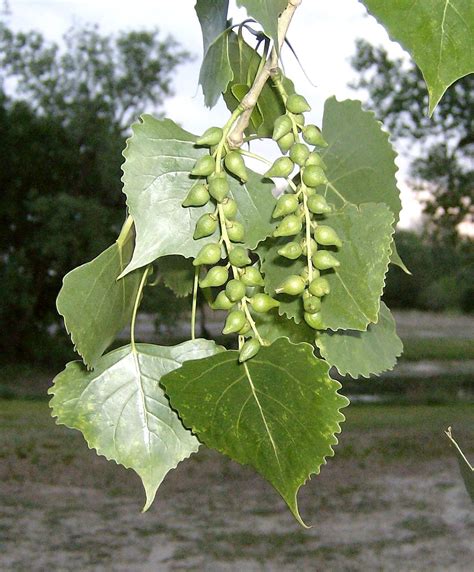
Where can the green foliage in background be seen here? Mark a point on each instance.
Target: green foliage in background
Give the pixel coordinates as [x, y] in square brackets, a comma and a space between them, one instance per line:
[62, 130]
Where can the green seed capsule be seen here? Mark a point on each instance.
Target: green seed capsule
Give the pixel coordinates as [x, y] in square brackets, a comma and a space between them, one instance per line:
[263, 302]
[314, 176]
[313, 136]
[315, 159]
[297, 104]
[285, 142]
[249, 349]
[204, 166]
[312, 246]
[198, 196]
[229, 206]
[305, 274]
[245, 328]
[282, 167]
[211, 136]
[317, 204]
[299, 152]
[289, 226]
[235, 164]
[311, 304]
[239, 257]
[216, 276]
[286, 204]
[293, 285]
[218, 189]
[235, 290]
[327, 236]
[222, 302]
[291, 250]
[234, 322]
[314, 320]
[323, 260]
[319, 287]
[235, 231]
[299, 119]
[251, 277]
[281, 127]
[209, 254]
[205, 226]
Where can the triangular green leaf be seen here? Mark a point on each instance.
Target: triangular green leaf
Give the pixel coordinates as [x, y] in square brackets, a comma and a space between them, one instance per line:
[361, 354]
[438, 34]
[357, 284]
[279, 412]
[122, 411]
[266, 13]
[158, 159]
[94, 304]
[360, 158]
[245, 62]
[215, 71]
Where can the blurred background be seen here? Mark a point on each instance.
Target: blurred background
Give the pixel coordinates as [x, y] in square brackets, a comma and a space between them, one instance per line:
[73, 76]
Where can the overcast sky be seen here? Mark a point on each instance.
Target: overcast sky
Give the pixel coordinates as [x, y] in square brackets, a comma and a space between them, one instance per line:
[322, 33]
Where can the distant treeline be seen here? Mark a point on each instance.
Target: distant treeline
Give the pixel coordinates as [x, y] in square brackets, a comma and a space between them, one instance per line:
[442, 275]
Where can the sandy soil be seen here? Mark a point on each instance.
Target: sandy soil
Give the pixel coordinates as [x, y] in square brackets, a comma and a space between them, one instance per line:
[391, 500]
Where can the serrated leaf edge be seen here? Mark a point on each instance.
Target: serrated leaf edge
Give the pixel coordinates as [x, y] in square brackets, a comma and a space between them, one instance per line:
[149, 497]
[342, 418]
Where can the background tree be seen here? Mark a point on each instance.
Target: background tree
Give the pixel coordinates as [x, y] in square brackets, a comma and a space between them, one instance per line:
[62, 130]
[444, 143]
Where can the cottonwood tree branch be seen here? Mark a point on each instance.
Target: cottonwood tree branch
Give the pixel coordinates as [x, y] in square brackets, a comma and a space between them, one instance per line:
[236, 135]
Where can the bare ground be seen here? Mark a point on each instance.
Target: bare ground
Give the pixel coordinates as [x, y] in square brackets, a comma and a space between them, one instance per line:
[392, 500]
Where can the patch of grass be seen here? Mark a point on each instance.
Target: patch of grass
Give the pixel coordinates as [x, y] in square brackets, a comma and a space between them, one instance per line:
[416, 349]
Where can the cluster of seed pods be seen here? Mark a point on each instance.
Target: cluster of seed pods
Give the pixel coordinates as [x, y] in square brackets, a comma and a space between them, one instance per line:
[227, 261]
[303, 209]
